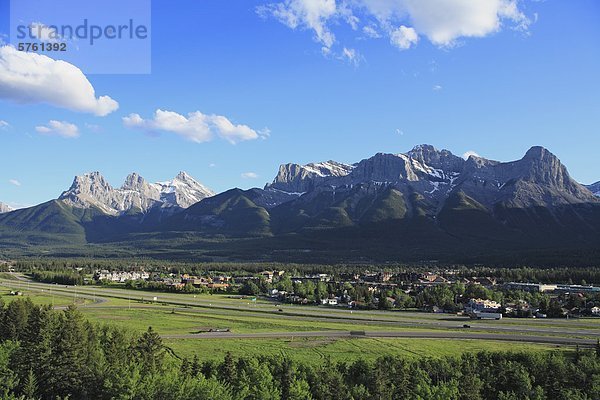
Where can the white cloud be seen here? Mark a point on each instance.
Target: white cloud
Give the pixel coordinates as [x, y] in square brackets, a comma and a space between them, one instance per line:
[264, 133]
[4, 124]
[443, 22]
[437, 88]
[196, 127]
[59, 128]
[14, 182]
[35, 78]
[250, 175]
[469, 154]
[404, 37]
[371, 32]
[306, 14]
[351, 55]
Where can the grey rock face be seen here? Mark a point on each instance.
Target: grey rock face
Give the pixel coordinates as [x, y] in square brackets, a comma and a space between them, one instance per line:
[538, 179]
[295, 178]
[92, 190]
[5, 208]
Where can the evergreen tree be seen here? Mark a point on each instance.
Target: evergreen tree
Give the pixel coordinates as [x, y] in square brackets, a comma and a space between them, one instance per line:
[66, 371]
[185, 367]
[34, 352]
[14, 319]
[8, 378]
[195, 367]
[227, 370]
[286, 379]
[150, 351]
[321, 291]
[384, 303]
[30, 386]
[298, 390]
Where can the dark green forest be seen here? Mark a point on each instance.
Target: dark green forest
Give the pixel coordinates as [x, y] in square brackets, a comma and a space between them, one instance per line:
[47, 354]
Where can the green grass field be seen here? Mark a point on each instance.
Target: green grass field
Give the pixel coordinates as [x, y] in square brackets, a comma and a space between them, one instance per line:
[136, 310]
[165, 321]
[41, 297]
[315, 350]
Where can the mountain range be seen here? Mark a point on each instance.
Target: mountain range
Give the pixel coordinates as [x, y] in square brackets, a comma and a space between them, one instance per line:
[136, 194]
[426, 204]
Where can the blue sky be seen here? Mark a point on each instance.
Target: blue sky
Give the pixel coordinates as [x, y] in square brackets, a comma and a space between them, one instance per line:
[496, 94]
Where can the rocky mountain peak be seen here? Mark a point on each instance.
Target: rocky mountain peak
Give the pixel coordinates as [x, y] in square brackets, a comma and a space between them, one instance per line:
[184, 176]
[424, 152]
[133, 181]
[92, 190]
[296, 178]
[439, 159]
[183, 191]
[540, 165]
[88, 184]
[4, 208]
[539, 153]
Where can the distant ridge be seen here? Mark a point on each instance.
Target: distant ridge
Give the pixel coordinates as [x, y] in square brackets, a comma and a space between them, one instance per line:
[595, 188]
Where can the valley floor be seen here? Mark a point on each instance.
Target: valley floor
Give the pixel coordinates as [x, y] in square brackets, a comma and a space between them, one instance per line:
[209, 326]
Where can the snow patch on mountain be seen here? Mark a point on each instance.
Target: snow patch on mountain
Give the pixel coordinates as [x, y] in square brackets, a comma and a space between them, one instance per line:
[296, 178]
[183, 191]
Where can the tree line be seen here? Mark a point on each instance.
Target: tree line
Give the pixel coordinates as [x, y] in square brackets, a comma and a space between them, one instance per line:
[62, 277]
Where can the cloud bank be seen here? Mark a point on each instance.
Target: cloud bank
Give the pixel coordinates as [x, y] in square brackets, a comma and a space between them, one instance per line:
[34, 78]
[404, 22]
[196, 126]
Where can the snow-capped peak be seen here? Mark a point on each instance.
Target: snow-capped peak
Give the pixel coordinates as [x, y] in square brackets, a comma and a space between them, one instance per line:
[183, 190]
